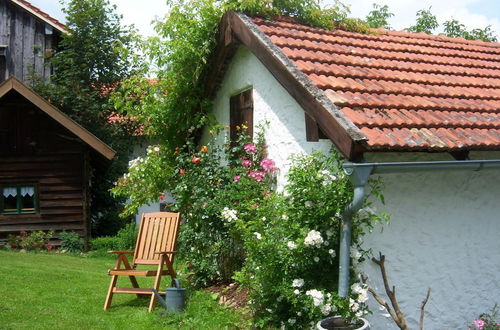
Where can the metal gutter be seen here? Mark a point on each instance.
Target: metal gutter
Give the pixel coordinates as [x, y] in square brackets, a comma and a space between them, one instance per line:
[359, 173]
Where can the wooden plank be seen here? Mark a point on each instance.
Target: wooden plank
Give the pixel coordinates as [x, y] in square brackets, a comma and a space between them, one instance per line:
[44, 227]
[133, 290]
[28, 46]
[6, 220]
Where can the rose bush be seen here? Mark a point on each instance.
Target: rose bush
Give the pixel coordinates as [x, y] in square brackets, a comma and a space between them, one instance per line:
[282, 245]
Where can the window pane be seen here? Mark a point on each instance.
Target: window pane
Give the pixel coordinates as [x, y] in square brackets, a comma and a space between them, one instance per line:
[27, 203]
[10, 204]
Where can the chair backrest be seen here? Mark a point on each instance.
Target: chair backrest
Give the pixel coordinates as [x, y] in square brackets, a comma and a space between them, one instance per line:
[157, 232]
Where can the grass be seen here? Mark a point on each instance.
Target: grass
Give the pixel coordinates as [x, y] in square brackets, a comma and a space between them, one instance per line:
[55, 291]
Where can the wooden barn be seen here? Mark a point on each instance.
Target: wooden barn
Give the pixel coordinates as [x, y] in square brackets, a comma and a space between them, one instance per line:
[45, 164]
[28, 38]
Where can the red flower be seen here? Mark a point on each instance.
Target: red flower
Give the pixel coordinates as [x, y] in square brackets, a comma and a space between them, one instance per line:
[182, 171]
[50, 247]
[195, 160]
[162, 197]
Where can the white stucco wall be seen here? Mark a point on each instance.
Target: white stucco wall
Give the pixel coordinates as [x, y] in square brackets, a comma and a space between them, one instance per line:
[445, 227]
[286, 133]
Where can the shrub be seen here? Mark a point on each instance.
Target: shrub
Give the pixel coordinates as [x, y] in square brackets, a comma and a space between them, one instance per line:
[104, 243]
[37, 240]
[126, 237]
[71, 242]
[487, 321]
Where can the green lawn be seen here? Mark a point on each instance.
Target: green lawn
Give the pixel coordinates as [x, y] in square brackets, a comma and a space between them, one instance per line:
[51, 291]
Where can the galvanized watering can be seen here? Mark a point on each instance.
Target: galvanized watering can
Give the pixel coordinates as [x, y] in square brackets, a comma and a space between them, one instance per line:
[175, 297]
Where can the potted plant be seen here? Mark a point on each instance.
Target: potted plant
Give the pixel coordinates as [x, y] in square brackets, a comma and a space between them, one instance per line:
[339, 323]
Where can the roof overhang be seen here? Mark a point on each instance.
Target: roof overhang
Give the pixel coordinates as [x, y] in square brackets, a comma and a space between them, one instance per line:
[237, 29]
[40, 15]
[13, 84]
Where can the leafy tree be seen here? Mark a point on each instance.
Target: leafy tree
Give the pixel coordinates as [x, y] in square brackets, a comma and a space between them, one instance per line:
[426, 22]
[174, 108]
[377, 18]
[92, 60]
[453, 28]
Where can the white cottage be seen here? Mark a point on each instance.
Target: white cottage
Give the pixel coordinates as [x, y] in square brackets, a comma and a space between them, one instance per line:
[386, 97]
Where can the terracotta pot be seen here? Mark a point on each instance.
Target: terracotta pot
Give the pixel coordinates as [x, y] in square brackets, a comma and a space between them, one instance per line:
[337, 323]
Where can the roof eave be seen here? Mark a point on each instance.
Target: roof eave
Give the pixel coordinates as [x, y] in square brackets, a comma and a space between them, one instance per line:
[95, 143]
[59, 27]
[237, 28]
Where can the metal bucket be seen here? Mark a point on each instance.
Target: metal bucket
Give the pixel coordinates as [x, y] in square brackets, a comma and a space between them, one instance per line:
[175, 297]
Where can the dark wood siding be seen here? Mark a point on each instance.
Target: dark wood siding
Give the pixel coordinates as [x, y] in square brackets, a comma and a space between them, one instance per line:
[34, 149]
[59, 180]
[27, 42]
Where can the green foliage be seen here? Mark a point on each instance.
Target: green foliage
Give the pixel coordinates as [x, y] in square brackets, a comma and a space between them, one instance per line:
[453, 28]
[71, 242]
[426, 22]
[378, 16]
[290, 242]
[124, 240]
[104, 243]
[34, 241]
[91, 61]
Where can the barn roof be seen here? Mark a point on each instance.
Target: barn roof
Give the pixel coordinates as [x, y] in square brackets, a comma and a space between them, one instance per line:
[385, 90]
[13, 84]
[37, 12]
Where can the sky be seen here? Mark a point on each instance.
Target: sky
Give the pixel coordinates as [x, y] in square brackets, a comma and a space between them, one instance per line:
[472, 13]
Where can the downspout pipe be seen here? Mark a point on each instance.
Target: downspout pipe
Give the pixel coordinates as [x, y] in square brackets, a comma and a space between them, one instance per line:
[359, 173]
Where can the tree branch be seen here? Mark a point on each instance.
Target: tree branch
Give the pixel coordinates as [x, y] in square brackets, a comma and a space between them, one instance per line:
[397, 315]
[422, 309]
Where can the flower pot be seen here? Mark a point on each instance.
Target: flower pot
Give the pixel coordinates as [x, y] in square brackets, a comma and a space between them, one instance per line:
[337, 323]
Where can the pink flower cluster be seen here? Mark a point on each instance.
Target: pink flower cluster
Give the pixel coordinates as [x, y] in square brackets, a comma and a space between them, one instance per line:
[257, 175]
[250, 149]
[246, 163]
[479, 324]
[268, 165]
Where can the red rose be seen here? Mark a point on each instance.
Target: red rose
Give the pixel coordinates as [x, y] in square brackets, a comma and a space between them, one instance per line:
[196, 160]
[182, 171]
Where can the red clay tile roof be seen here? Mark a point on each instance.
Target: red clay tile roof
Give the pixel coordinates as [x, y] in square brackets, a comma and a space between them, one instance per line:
[41, 14]
[404, 91]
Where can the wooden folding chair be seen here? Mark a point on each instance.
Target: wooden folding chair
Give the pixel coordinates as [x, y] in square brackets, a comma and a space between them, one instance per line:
[155, 246]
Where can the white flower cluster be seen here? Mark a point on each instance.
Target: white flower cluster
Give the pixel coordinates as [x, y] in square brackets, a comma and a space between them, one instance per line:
[297, 283]
[317, 296]
[361, 290]
[258, 235]
[327, 177]
[151, 149]
[355, 256]
[136, 161]
[229, 215]
[313, 238]
[291, 245]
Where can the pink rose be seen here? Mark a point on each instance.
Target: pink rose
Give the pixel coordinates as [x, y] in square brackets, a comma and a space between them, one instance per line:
[250, 148]
[257, 175]
[237, 178]
[479, 324]
[268, 165]
[246, 163]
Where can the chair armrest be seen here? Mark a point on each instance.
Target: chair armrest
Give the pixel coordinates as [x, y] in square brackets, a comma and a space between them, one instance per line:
[166, 252]
[122, 252]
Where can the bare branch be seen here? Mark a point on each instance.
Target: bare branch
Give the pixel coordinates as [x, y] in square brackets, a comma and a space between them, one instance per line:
[398, 317]
[422, 309]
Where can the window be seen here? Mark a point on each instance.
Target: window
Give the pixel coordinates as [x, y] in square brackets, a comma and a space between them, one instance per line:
[19, 199]
[241, 113]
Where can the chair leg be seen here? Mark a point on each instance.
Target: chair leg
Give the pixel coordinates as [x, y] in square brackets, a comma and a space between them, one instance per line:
[109, 296]
[157, 284]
